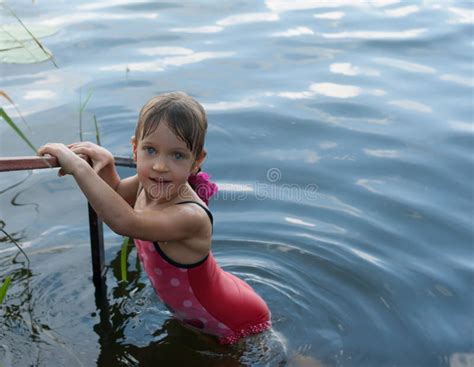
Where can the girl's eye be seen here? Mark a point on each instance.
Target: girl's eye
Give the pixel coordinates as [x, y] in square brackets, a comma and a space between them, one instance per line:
[150, 150]
[178, 155]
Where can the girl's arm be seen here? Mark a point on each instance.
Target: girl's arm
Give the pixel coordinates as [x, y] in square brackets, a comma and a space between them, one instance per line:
[173, 223]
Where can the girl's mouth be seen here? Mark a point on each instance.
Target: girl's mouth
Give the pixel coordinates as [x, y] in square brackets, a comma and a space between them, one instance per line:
[160, 181]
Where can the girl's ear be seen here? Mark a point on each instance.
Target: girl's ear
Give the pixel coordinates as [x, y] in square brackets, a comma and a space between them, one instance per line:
[199, 161]
[134, 147]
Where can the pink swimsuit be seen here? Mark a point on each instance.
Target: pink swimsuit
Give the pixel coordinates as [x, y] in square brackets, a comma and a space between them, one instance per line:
[204, 296]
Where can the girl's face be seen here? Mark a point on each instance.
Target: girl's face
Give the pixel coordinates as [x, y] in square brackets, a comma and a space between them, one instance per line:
[164, 163]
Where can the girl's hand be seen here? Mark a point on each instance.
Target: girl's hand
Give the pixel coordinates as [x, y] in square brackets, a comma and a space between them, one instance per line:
[100, 157]
[103, 162]
[67, 159]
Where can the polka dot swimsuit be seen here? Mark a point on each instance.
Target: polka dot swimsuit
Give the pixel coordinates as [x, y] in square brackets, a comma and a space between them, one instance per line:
[202, 295]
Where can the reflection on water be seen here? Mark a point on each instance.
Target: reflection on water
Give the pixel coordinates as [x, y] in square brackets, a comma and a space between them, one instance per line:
[87, 17]
[294, 32]
[161, 64]
[247, 18]
[412, 105]
[404, 65]
[340, 134]
[374, 35]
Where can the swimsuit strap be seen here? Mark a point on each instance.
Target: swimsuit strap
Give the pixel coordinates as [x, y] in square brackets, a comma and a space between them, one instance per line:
[209, 214]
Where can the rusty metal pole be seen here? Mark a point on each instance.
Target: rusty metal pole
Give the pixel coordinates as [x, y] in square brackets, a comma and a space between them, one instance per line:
[95, 223]
[26, 163]
[97, 246]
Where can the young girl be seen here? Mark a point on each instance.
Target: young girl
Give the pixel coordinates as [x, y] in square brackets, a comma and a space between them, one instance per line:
[163, 207]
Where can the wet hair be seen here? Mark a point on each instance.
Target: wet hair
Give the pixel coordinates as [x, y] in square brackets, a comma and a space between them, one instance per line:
[183, 114]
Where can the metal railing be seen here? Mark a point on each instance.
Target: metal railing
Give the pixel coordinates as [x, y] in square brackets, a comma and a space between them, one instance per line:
[95, 223]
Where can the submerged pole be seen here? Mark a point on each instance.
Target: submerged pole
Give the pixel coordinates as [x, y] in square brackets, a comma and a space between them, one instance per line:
[97, 246]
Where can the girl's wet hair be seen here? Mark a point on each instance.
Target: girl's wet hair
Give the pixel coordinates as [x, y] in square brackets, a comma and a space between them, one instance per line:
[184, 115]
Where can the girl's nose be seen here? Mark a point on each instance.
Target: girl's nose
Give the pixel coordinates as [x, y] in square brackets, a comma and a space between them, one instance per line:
[160, 165]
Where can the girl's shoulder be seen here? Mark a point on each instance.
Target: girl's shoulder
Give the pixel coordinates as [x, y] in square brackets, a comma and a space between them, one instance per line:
[199, 204]
[128, 189]
[197, 244]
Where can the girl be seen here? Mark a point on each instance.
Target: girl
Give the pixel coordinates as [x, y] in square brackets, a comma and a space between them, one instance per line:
[163, 207]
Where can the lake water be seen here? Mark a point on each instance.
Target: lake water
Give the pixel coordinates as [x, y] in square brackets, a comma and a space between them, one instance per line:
[341, 136]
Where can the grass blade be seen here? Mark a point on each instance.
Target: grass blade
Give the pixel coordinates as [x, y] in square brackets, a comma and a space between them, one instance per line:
[7, 97]
[123, 259]
[82, 107]
[97, 134]
[17, 245]
[4, 288]
[10, 122]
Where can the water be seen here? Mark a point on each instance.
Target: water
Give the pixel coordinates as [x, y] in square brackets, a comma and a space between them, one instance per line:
[341, 137]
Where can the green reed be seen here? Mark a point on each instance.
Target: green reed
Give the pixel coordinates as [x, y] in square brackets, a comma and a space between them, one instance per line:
[10, 122]
[82, 107]
[123, 258]
[4, 288]
[6, 283]
[97, 133]
[7, 97]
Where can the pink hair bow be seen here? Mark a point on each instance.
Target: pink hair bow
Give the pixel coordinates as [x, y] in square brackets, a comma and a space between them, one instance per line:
[203, 186]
